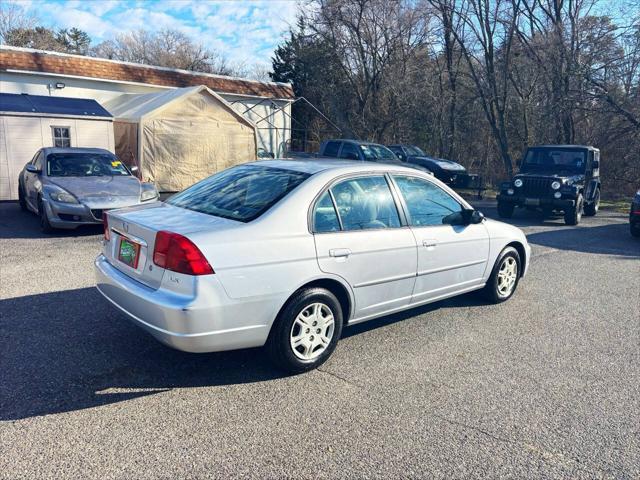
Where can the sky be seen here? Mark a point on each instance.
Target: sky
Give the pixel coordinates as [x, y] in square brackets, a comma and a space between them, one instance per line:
[244, 31]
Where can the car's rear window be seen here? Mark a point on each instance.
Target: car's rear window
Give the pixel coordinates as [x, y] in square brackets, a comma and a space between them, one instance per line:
[240, 193]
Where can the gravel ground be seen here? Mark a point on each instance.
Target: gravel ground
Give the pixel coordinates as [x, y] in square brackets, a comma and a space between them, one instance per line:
[546, 385]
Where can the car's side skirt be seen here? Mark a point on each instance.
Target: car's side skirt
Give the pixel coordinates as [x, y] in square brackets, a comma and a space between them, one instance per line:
[417, 304]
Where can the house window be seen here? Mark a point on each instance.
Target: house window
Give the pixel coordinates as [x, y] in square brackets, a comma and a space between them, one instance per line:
[61, 137]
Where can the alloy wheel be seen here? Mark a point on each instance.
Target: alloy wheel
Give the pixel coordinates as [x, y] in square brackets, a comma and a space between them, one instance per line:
[507, 276]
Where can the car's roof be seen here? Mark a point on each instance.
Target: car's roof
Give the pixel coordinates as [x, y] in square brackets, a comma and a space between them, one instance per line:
[337, 165]
[353, 140]
[49, 150]
[564, 146]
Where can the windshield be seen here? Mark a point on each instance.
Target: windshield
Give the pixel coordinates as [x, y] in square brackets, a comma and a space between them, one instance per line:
[373, 153]
[550, 159]
[84, 165]
[414, 151]
[240, 193]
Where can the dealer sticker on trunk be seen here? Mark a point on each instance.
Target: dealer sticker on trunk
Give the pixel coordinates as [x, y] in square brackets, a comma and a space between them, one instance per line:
[129, 252]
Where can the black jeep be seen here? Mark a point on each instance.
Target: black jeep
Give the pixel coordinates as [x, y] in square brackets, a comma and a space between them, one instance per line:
[555, 178]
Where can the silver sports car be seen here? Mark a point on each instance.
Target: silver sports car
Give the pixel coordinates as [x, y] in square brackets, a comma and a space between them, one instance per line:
[68, 187]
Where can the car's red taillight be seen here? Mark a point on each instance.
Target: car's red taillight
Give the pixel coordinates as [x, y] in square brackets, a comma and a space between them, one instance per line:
[105, 224]
[177, 253]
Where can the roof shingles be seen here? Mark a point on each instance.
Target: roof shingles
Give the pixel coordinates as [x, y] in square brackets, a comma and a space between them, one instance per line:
[65, 64]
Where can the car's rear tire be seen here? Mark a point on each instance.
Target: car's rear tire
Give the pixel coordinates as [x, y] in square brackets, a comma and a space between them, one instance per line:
[505, 276]
[505, 210]
[635, 229]
[45, 226]
[306, 331]
[591, 209]
[21, 199]
[572, 216]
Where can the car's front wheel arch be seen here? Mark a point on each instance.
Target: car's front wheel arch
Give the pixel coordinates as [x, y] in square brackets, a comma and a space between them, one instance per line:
[523, 255]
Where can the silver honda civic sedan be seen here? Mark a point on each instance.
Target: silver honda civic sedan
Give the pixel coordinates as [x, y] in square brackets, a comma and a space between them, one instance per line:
[285, 253]
[68, 187]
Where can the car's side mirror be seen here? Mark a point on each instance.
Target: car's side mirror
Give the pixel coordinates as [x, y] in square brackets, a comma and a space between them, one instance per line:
[464, 217]
[476, 217]
[32, 169]
[595, 164]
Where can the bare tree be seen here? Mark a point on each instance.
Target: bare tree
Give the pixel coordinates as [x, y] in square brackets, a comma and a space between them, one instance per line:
[373, 41]
[14, 17]
[166, 48]
[487, 47]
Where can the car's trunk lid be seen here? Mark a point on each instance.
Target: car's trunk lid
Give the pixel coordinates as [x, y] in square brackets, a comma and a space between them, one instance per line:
[139, 225]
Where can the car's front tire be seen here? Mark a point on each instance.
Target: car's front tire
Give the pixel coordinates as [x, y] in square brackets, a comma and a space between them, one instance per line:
[306, 331]
[505, 210]
[572, 216]
[22, 201]
[504, 277]
[591, 209]
[45, 226]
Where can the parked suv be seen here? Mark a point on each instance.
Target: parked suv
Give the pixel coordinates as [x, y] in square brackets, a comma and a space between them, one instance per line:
[555, 178]
[364, 151]
[446, 171]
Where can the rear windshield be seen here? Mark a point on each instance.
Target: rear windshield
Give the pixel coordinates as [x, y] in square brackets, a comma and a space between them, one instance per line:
[84, 165]
[241, 193]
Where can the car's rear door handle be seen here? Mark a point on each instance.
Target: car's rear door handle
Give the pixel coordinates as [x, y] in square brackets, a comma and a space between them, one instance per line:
[339, 252]
[429, 242]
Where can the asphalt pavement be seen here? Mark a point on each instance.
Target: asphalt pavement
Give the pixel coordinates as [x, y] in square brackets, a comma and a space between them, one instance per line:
[546, 385]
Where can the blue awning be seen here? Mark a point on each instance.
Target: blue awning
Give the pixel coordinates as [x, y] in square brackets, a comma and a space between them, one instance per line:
[78, 107]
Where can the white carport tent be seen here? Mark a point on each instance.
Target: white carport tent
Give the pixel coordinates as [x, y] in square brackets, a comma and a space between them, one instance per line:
[180, 136]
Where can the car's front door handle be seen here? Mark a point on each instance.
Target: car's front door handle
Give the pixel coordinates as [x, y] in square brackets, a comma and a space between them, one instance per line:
[429, 242]
[339, 252]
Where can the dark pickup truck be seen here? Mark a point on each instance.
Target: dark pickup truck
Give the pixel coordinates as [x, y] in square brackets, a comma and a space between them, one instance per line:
[555, 178]
[363, 151]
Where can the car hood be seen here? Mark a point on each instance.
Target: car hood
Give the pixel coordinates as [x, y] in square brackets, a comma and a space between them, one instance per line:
[451, 164]
[86, 188]
[571, 177]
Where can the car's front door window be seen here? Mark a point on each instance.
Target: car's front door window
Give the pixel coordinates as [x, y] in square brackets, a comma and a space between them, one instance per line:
[349, 151]
[427, 203]
[365, 203]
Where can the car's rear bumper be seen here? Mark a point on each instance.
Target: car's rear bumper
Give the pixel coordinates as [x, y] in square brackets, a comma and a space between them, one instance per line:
[208, 322]
[520, 201]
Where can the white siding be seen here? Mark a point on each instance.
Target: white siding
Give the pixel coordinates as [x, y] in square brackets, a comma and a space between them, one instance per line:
[271, 138]
[24, 138]
[21, 137]
[5, 189]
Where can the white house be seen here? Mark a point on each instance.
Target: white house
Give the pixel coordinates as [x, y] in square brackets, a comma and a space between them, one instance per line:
[37, 72]
[30, 122]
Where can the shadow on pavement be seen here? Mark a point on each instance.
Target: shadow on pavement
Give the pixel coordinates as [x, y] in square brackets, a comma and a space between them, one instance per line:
[15, 223]
[611, 239]
[70, 350]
